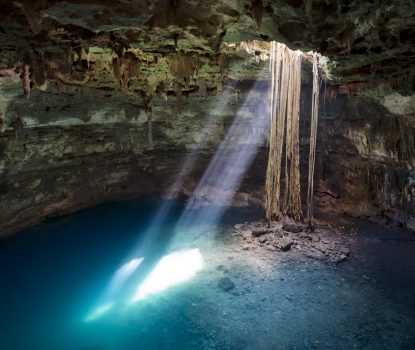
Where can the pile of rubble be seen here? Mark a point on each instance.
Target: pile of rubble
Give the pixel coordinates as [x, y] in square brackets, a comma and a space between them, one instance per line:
[323, 243]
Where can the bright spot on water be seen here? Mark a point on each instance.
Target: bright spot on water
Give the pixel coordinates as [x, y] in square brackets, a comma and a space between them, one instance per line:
[171, 270]
[117, 282]
[123, 273]
[98, 312]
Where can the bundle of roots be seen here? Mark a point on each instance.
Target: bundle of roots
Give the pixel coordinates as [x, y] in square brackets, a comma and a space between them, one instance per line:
[285, 66]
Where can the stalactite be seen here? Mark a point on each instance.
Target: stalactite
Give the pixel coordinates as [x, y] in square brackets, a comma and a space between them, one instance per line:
[2, 122]
[308, 7]
[87, 58]
[26, 80]
[313, 137]
[183, 67]
[176, 39]
[257, 9]
[149, 111]
[124, 68]
[17, 125]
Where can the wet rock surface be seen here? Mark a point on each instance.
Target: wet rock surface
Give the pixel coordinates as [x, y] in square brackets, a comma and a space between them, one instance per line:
[327, 242]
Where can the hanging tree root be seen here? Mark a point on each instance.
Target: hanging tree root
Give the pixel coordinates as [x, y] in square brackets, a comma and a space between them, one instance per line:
[285, 67]
[313, 137]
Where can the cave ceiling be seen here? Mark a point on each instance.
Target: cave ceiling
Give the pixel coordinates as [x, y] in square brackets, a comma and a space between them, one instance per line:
[147, 45]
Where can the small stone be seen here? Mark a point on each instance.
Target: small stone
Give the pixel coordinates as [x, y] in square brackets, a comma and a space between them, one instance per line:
[286, 244]
[315, 238]
[344, 251]
[246, 233]
[294, 228]
[238, 226]
[226, 284]
[342, 258]
[245, 247]
[259, 232]
[263, 239]
[279, 233]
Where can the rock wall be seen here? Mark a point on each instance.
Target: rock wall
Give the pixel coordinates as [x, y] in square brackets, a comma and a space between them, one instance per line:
[62, 152]
[71, 152]
[366, 160]
[104, 100]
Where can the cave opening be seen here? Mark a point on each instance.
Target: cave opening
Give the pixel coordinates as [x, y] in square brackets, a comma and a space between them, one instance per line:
[207, 174]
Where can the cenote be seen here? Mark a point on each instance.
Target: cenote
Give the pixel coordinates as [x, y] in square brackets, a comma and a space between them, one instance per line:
[71, 281]
[61, 282]
[187, 174]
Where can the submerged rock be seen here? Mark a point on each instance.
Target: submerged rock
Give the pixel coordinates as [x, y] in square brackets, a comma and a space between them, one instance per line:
[226, 284]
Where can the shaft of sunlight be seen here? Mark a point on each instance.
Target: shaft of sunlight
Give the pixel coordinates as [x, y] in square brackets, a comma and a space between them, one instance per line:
[122, 275]
[186, 167]
[227, 168]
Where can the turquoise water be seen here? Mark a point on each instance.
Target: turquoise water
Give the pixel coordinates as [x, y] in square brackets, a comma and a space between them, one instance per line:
[118, 277]
[59, 290]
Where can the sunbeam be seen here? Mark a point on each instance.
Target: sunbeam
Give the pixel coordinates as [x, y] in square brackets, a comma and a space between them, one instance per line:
[227, 168]
[121, 276]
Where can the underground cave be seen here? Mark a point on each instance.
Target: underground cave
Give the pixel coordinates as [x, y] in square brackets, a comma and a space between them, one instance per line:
[187, 174]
